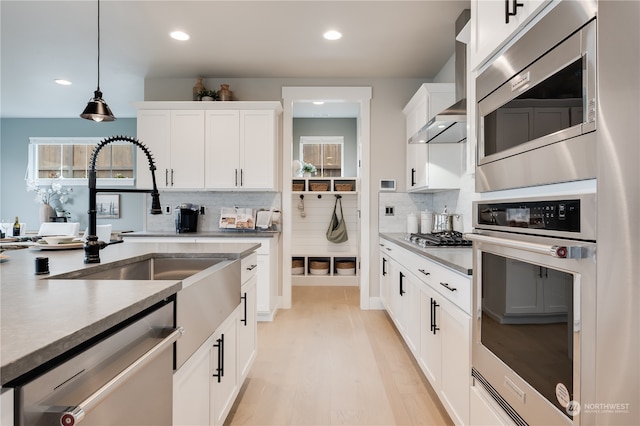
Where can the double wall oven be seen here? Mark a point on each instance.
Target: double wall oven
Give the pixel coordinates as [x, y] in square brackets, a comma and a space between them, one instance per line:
[534, 305]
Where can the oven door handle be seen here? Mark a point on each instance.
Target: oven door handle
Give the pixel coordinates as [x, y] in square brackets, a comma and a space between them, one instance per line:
[562, 252]
[77, 414]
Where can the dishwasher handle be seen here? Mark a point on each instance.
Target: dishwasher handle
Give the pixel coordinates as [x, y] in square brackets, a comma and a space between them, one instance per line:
[76, 414]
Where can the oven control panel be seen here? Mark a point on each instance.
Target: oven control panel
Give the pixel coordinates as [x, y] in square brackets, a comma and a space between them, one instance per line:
[557, 215]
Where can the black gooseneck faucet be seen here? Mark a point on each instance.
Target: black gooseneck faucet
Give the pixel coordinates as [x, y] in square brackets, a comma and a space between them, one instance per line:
[92, 246]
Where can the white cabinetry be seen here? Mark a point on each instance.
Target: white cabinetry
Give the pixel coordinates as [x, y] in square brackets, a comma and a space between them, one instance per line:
[237, 141]
[484, 411]
[491, 28]
[224, 372]
[434, 317]
[176, 140]
[207, 384]
[247, 325]
[242, 149]
[431, 167]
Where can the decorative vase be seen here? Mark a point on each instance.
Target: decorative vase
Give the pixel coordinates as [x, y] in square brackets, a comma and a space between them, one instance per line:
[224, 94]
[197, 88]
[306, 174]
[46, 212]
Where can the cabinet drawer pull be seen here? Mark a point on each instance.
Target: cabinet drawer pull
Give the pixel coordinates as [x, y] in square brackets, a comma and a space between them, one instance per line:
[252, 267]
[387, 248]
[424, 272]
[446, 285]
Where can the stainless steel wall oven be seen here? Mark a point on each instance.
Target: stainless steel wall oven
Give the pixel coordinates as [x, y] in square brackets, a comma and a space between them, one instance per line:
[537, 104]
[534, 305]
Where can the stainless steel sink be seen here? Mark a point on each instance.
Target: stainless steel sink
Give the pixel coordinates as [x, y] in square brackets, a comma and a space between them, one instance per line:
[155, 268]
[210, 290]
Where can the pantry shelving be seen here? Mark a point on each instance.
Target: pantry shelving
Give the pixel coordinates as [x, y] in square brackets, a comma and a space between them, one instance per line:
[315, 260]
[324, 185]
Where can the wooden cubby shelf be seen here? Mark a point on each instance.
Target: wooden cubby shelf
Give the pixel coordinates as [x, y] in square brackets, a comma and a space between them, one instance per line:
[324, 270]
[325, 185]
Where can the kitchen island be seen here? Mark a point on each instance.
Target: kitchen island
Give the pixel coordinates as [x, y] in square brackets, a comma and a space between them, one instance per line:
[43, 318]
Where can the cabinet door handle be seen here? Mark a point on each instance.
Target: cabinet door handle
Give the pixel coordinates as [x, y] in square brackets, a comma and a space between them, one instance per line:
[220, 368]
[413, 177]
[171, 177]
[241, 177]
[244, 299]
[515, 7]
[448, 287]
[402, 284]
[424, 272]
[434, 324]
[384, 267]
[166, 177]
[236, 178]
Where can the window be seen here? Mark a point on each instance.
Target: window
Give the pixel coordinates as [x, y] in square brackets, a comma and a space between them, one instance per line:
[69, 158]
[324, 152]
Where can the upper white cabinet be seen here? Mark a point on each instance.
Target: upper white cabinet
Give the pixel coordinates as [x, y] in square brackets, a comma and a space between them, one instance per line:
[431, 167]
[492, 31]
[176, 140]
[241, 150]
[210, 145]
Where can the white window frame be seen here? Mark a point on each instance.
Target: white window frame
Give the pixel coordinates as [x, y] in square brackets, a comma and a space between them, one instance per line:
[323, 140]
[32, 166]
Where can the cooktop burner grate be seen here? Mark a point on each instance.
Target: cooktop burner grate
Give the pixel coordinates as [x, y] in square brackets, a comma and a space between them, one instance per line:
[439, 239]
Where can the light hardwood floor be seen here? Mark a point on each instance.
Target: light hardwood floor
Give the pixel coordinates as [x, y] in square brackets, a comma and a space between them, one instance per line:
[326, 362]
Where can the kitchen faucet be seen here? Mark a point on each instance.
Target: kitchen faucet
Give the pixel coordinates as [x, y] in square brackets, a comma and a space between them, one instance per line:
[92, 246]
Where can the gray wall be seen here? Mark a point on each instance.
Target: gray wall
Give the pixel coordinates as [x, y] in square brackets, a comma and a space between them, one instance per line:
[14, 142]
[345, 127]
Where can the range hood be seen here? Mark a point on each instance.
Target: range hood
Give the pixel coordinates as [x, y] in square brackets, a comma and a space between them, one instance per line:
[450, 125]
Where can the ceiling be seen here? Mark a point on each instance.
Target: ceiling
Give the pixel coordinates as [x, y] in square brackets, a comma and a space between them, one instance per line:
[45, 40]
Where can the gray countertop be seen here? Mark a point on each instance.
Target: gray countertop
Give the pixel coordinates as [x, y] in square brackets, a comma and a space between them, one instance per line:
[457, 258]
[228, 233]
[42, 318]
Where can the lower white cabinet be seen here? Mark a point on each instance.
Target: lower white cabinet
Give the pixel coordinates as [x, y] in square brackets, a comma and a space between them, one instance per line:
[224, 384]
[430, 306]
[207, 384]
[247, 321]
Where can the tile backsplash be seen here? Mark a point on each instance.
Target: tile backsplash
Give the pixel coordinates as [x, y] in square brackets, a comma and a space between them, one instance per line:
[213, 202]
[403, 203]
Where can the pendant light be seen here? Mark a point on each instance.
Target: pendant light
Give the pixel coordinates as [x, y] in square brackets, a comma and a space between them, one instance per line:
[97, 109]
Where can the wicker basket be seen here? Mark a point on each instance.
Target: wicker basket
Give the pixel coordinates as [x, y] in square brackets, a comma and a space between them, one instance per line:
[344, 187]
[297, 263]
[319, 186]
[298, 187]
[345, 264]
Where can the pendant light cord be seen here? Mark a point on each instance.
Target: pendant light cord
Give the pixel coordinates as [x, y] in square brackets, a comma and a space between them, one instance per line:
[98, 45]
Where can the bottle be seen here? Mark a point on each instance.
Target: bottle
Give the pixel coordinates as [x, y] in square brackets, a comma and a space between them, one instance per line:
[16, 227]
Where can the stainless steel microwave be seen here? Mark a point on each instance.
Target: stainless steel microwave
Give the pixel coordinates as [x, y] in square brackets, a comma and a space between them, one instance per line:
[536, 104]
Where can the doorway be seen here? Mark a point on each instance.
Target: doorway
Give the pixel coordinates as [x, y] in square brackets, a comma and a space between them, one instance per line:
[326, 102]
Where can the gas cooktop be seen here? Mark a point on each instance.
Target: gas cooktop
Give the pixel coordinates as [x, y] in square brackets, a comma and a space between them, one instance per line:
[439, 239]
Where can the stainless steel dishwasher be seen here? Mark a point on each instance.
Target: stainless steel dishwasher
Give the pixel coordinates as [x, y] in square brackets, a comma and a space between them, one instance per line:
[123, 379]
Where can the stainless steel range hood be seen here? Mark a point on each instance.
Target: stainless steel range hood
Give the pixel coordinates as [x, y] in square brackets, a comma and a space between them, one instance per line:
[450, 125]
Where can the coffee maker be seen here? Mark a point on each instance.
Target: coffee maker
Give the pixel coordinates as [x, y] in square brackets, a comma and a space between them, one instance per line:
[186, 215]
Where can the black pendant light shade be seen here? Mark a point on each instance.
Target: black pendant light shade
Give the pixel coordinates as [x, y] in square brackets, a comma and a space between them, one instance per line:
[97, 109]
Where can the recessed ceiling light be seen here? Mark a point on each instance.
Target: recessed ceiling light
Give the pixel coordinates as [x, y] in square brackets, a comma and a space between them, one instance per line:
[179, 35]
[332, 35]
[318, 102]
[62, 82]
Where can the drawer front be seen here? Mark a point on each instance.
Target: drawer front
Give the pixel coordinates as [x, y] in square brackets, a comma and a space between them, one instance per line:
[249, 267]
[453, 286]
